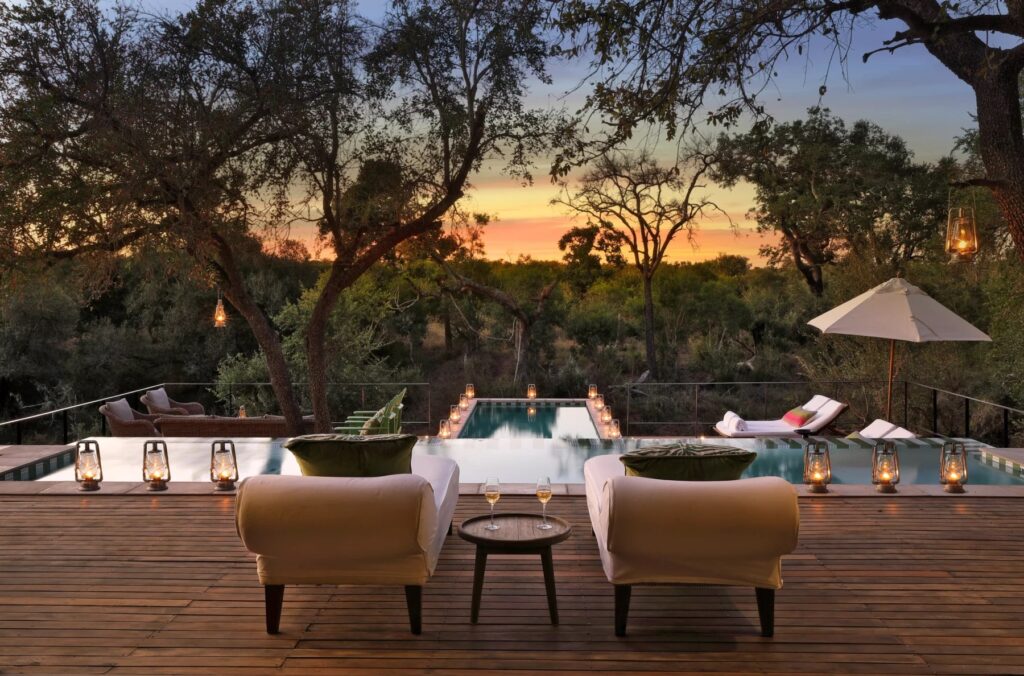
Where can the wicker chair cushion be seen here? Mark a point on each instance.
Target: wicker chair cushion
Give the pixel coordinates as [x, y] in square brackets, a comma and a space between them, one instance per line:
[159, 398]
[120, 409]
[353, 455]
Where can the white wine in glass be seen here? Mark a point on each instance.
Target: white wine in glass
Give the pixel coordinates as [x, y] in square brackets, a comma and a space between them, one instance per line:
[492, 491]
[544, 494]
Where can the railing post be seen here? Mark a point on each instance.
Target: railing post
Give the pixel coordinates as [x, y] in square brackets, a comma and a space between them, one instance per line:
[696, 409]
[967, 418]
[629, 400]
[64, 424]
[906, 403]
[935, 411]
[1006, 428]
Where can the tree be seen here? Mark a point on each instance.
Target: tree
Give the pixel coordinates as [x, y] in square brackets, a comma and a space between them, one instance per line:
[583, 266]
[664, 60]
[827, 191]
[232, 118]
[527, 312]
[643, 206]
[460, 68]
[117, 130]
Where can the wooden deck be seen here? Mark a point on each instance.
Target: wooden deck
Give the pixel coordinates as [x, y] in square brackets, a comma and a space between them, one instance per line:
[160, 585]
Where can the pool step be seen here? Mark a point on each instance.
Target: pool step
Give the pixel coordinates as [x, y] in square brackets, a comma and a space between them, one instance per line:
[1009, 460]
[27, 462]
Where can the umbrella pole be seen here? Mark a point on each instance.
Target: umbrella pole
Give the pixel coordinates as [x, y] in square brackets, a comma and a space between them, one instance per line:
[892, 367]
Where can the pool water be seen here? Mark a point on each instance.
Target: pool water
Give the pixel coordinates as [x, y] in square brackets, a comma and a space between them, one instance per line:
[524, 460]
[539, 419]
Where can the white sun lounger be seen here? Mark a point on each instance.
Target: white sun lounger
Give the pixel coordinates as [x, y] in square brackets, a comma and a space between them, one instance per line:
[826, 411]
[883, 429]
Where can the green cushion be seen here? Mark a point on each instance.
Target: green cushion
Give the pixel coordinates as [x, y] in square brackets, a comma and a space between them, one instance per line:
[353, 455]
[688, 462]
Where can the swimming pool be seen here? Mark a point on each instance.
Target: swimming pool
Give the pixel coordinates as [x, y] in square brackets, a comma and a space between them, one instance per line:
[518, 460]
[528, 419]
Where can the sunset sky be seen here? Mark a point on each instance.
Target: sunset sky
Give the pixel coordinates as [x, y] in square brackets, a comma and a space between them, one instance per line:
[908, 93]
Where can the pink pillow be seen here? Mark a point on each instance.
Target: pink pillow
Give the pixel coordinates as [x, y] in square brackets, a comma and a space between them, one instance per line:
[798, 417]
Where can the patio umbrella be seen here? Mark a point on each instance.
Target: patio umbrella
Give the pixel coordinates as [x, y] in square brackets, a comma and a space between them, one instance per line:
[897, 310]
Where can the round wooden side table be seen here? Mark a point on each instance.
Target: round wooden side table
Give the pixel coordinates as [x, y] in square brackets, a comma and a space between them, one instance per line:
[517, 533]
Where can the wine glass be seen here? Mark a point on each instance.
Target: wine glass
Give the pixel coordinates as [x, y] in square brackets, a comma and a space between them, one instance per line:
[544, 494]
[492, 491]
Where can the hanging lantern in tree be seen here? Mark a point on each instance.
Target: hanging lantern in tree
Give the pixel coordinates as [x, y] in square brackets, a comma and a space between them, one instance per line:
[220, 315]
[962, 230]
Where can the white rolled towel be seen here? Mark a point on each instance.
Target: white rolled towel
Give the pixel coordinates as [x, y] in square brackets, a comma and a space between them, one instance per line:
[734, 423]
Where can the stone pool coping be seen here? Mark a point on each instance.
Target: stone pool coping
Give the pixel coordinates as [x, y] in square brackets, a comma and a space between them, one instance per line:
[562, 489]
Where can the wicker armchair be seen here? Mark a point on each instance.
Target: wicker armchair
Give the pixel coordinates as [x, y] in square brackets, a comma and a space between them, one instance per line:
[228, 428]
[124, 421]
[158, 403]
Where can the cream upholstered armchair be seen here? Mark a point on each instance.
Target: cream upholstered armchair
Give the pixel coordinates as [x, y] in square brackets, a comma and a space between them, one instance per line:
[651, 531]
[348, 531]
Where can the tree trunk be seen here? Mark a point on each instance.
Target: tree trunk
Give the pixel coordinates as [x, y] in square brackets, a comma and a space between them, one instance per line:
[316, 347]
[652, 359]
[266, 336]
[524, 364]
[811, 271]
[1002, 145]
[449, 343]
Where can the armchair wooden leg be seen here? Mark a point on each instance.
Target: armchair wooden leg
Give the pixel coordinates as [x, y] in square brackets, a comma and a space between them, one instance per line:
[622, 594]
[273, 595]
[766, 610]
[414, 599]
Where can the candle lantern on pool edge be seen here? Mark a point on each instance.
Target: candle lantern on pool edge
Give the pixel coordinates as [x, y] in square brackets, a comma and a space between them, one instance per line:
[454, 415]
[599, 402]
[606, 414]
[953, 466]
[156, 466]
[88, 465]
[464, 402]
[885, 467]
[613, 430]
[444, 430]
[592, 392]
[470, 391]
[531, 391]
[223, 465]
[817, 467]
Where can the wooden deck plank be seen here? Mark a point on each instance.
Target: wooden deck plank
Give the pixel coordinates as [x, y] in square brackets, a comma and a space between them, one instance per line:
[160, 584]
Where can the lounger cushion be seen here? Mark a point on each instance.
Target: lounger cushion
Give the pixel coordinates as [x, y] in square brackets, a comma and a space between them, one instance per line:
[347, 455]
[798, 417]
[688, 462]
[120, 409]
